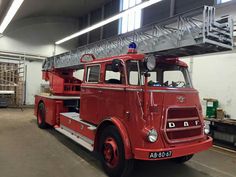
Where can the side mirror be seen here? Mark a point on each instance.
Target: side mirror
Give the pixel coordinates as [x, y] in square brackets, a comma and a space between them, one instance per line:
[150, 62]
[116, 65]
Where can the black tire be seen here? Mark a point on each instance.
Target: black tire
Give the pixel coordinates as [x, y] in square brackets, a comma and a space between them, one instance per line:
[41, 116]
[183, 159]
[122, 167]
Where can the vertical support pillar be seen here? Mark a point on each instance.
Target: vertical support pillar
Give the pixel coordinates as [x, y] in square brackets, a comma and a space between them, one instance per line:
[89, 23]
[172, 8]
[102, 18]
[191, 67]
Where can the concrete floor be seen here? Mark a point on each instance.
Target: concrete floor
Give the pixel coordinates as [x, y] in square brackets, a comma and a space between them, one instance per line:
[27, 151]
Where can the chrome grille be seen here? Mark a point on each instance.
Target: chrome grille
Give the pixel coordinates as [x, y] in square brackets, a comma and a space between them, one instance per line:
[183, 124]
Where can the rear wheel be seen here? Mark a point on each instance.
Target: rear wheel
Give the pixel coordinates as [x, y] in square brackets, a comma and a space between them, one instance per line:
[41, 116]
[183, 158]
[111, 150]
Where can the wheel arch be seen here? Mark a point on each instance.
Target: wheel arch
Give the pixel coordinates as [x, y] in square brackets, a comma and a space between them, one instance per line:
[123, 133]
[40, 101]
[36, 107]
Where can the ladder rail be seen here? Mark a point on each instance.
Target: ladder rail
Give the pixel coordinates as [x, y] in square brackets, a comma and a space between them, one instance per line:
[191, 33]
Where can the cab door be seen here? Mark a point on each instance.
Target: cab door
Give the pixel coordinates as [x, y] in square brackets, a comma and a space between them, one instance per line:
[113, 94]
[90, 94]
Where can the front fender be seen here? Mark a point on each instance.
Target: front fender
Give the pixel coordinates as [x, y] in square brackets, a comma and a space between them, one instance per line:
[123, 133]
[125, 137]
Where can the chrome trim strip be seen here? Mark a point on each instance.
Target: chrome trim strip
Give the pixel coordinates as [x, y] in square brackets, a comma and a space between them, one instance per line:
[78, 140]
[88, 140]
[139, 90]
[59, 97]
[172, 91]
[183, 128]
[103, 88]
[134, 90]
[76, 117]
[182, 119]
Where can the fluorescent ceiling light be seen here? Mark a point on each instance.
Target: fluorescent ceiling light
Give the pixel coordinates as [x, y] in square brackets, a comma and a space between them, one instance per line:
[109, 20]
[10, 14]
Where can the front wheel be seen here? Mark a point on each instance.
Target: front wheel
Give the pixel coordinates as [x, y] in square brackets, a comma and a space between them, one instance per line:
[183, 158]
[111, 150]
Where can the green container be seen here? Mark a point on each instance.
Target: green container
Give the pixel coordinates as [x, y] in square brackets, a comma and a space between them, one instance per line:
[211, 107]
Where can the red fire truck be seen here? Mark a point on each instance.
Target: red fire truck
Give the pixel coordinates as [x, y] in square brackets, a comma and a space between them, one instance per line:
[126, 107]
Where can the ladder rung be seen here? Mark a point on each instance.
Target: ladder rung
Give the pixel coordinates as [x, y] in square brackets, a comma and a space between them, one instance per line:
[172, 37]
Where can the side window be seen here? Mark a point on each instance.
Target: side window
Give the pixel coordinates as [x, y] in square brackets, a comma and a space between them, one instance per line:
[133, 72]
[174, 78]
[93, 74]
[112, 77]
[153, 76]
[133, 78]
[79, 74]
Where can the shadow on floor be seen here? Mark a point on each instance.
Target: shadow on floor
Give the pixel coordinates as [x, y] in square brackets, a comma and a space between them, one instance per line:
[165, 168]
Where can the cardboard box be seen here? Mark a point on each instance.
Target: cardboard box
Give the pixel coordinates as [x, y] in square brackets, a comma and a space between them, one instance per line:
[220, 113]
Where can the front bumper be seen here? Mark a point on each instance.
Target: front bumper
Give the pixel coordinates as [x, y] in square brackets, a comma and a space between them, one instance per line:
[143, 154]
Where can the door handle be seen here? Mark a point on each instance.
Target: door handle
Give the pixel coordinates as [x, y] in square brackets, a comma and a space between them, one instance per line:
[99, 91]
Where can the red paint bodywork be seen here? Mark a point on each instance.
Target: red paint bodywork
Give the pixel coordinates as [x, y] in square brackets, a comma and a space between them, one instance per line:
[124, 106]
[62, 82]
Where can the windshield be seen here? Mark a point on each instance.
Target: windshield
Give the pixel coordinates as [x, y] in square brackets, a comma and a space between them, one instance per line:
[164, 75]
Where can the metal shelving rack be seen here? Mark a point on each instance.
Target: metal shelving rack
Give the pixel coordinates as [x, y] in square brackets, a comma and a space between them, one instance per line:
[8, 82]
[13, 86]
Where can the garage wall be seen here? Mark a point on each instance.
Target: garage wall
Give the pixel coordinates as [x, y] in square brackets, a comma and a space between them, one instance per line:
[169, 8]
[33, 78]
[154, 13]
[37, 35]
[214, 77]
[109, 30]
[213, 74]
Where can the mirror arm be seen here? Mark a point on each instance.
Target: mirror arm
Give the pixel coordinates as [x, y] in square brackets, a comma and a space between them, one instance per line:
[145, 99]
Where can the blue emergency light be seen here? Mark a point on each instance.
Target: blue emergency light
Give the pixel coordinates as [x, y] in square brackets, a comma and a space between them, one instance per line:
[132, 45]
[132, 48]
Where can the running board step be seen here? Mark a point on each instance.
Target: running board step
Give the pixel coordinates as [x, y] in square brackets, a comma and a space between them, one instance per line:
[75, 138]
[72, 123]
[76, 117]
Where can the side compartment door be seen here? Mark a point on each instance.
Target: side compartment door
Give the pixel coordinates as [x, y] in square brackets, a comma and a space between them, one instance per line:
[90, 94]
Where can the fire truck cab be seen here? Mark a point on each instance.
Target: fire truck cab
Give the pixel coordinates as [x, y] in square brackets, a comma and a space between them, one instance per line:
[126, 107]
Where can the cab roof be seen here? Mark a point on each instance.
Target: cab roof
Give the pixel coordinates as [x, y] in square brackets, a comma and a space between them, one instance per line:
[138, 57]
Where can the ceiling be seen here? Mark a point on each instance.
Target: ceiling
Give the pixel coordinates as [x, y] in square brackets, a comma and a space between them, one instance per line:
[3, 7]
[63, 8]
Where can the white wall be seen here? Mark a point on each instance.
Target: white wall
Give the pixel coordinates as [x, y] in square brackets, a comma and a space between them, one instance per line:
[226, 9]
[214, 77]
[214, 74]
[37, 36]
[33, 80]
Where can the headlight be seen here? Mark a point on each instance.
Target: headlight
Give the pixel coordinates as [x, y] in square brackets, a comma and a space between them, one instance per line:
[150, 62]
[206, 127]
[152, 135]
[206, 130]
